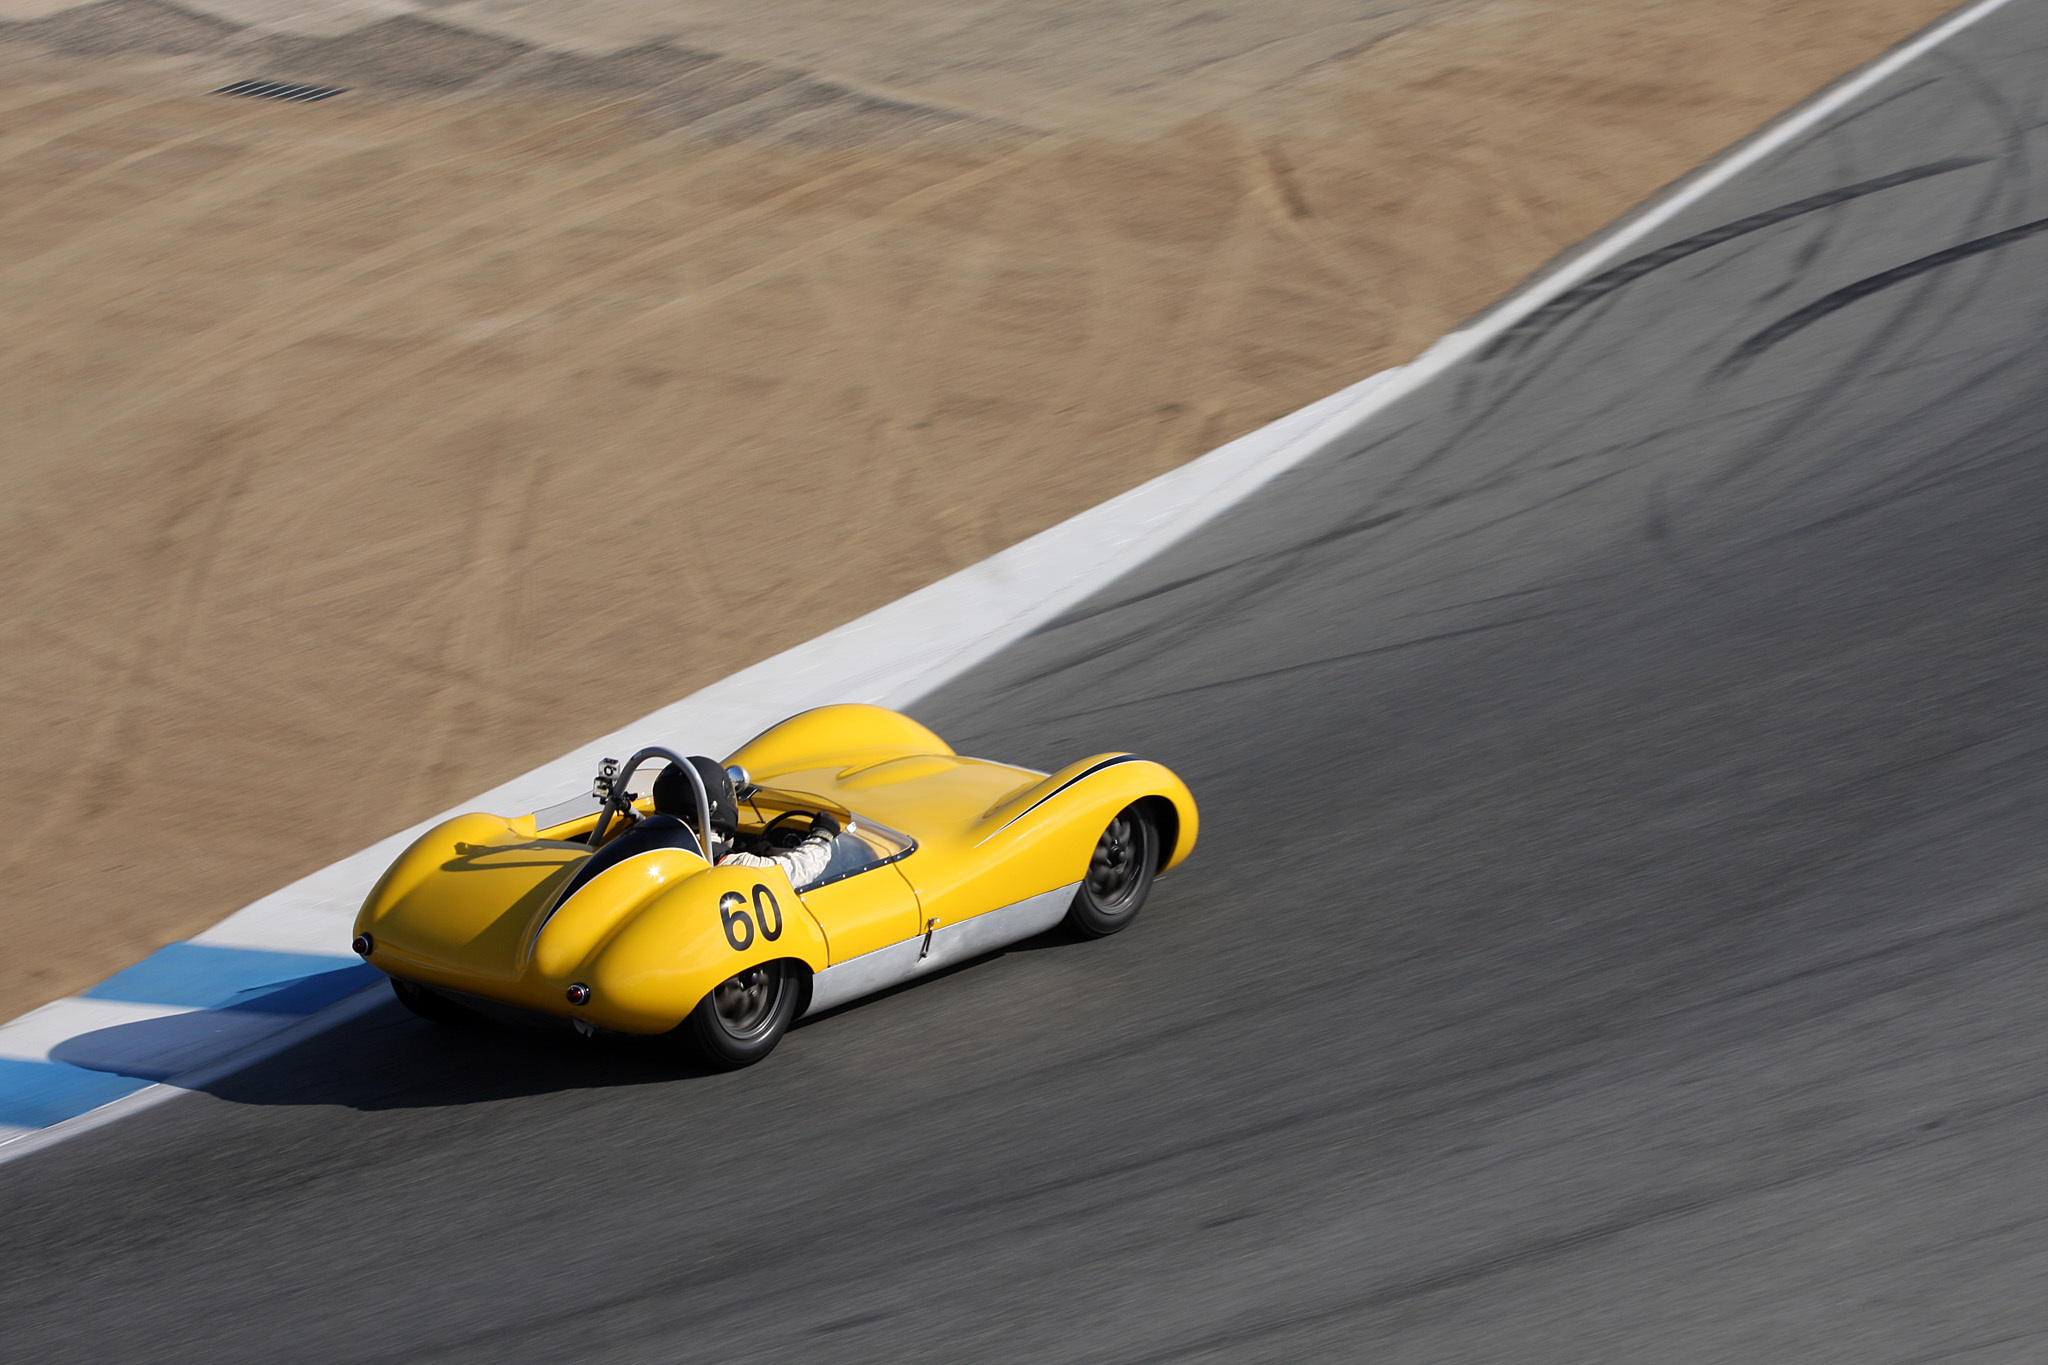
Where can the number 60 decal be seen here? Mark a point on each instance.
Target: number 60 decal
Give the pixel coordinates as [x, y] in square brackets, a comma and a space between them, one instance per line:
[739, 926]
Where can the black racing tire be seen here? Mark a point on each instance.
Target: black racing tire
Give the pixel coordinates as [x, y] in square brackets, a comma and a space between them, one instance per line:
[429, 1004]
[743, 1017]
[1119, 877]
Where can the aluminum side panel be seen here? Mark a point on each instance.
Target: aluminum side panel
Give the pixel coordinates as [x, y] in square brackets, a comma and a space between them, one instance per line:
[951, 943]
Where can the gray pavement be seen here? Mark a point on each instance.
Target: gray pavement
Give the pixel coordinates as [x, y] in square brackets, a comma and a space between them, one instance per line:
[1618, 933]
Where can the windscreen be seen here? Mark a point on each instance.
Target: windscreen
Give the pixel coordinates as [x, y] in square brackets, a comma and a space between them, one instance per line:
[865, 846]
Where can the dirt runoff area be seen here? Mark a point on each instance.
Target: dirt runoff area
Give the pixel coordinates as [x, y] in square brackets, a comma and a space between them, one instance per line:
[324, 421]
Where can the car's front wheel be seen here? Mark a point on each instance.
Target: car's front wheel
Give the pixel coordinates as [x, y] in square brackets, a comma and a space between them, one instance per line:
[744, 1016]
[1119, 875]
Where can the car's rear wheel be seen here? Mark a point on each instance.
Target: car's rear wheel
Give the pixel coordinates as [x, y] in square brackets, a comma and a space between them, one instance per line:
[744, 1016]
[428, 1003]
[1119, 877]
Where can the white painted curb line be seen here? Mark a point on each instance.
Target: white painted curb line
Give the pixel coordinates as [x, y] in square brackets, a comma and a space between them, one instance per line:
[903, 651]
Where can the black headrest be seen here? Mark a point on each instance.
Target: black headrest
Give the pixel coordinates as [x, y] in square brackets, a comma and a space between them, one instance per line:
[673, 794]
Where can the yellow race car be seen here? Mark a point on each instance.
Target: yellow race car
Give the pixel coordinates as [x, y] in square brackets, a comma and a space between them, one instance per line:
[607, 912]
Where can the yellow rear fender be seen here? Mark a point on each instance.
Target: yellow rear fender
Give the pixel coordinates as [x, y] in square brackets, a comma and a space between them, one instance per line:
[424, 855]
[840, 736]
[463, 900]
[582, 924]
[1078, 802]
[648, 975]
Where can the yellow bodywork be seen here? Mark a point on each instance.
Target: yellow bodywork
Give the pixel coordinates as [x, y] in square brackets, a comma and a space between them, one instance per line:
[472, 906]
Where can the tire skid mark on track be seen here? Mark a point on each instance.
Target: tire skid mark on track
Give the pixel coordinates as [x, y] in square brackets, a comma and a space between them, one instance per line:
[1529, 330]
[1793, 323]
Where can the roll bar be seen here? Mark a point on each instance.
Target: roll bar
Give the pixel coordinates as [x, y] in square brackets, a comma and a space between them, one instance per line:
[616, 797]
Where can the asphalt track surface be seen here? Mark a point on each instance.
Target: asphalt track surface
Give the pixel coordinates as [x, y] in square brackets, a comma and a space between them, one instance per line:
[1620, 929]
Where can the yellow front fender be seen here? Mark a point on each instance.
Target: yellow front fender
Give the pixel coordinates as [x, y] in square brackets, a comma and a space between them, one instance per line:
[850, 733]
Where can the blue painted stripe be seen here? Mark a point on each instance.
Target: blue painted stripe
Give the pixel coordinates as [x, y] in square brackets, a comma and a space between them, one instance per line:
[198, 977]
[310, 993]
[203, 976]
[38, 1094]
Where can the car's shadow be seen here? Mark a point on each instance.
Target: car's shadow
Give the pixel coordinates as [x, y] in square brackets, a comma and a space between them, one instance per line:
[391, 1059]
[387, 1058]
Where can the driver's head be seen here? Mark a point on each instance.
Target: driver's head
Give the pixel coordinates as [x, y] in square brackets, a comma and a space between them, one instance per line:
[673, 795]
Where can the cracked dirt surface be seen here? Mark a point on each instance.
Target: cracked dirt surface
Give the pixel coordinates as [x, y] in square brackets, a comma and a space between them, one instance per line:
[321, 421]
